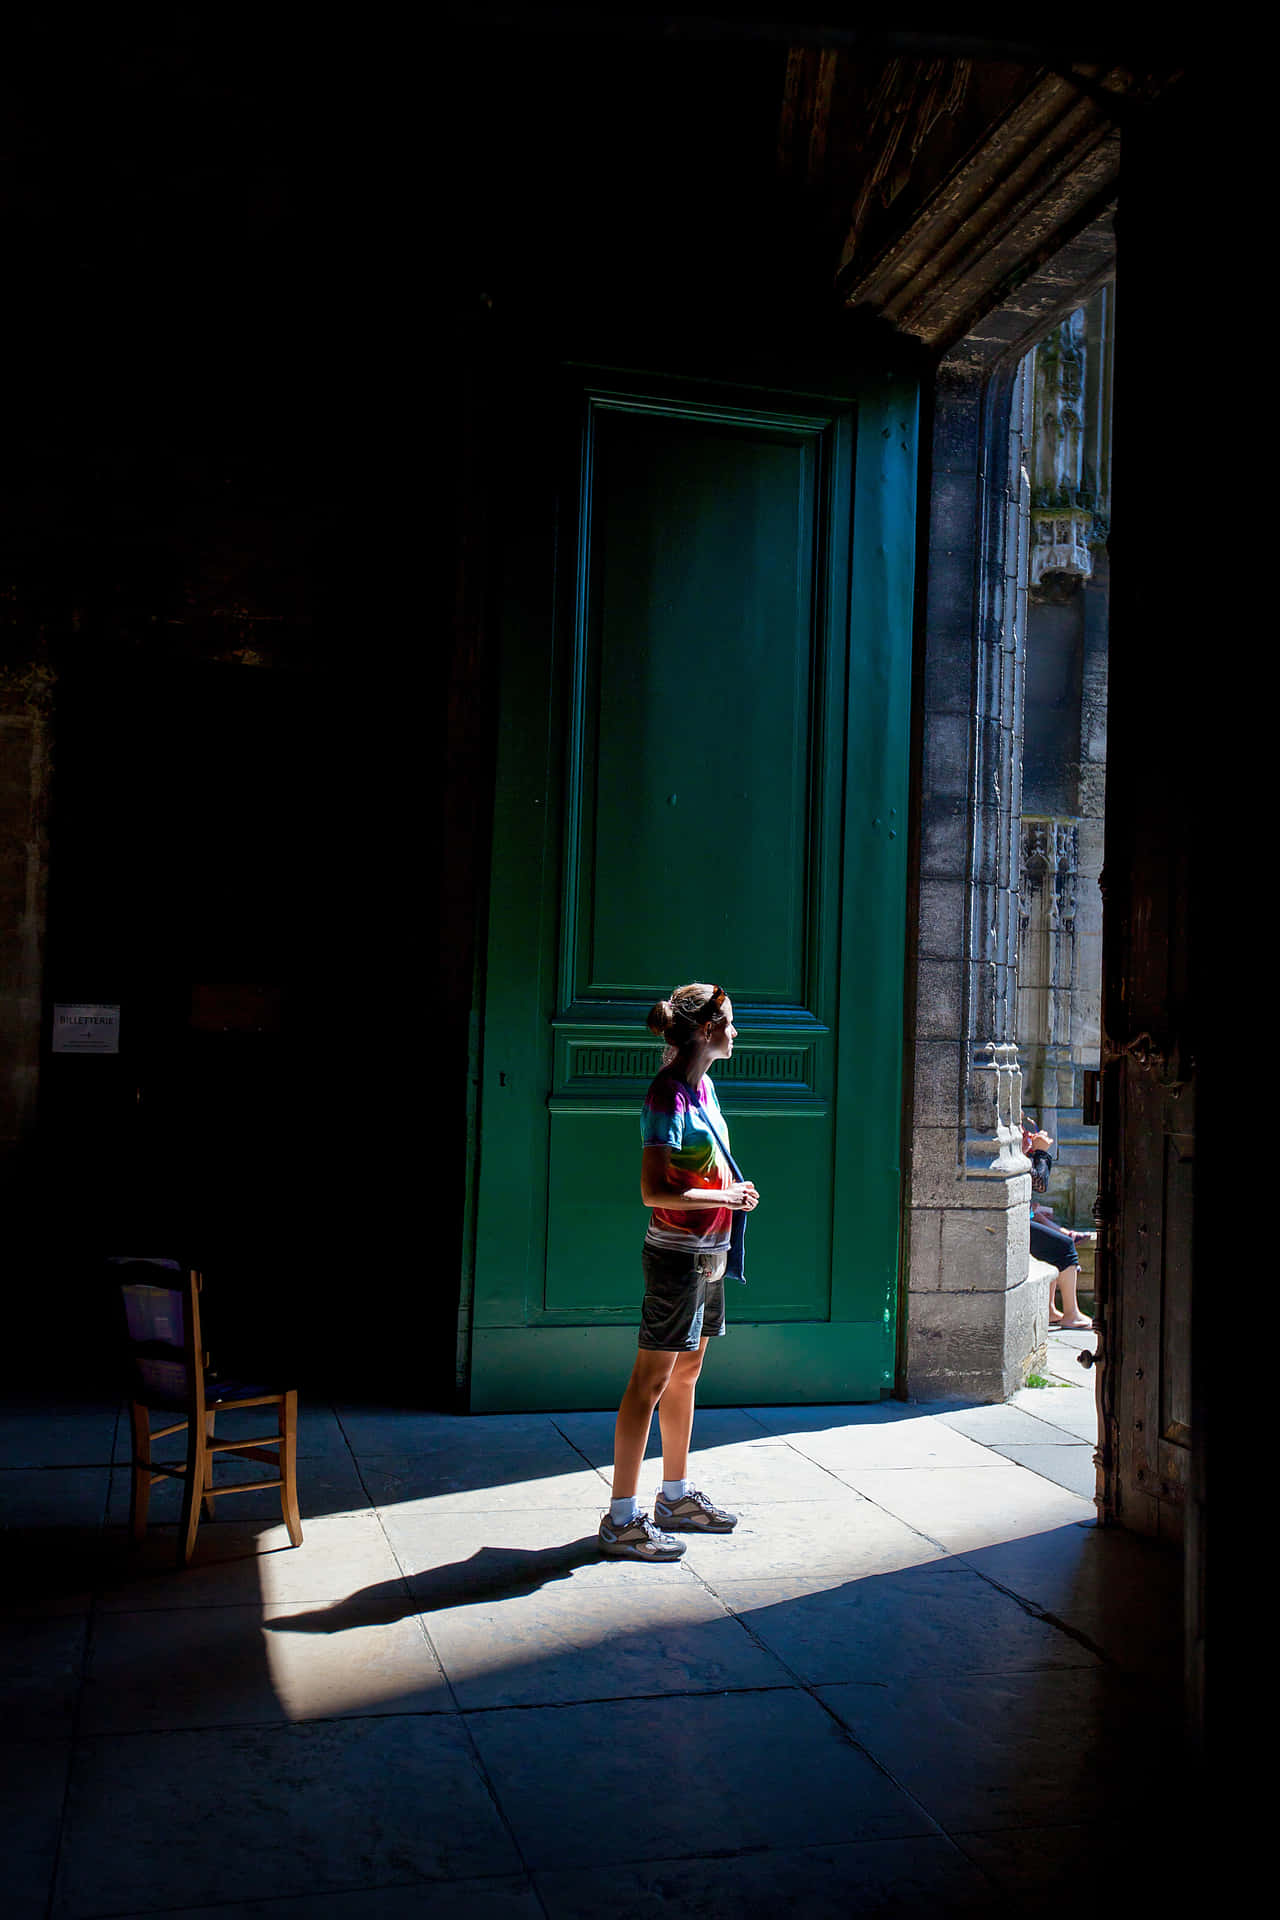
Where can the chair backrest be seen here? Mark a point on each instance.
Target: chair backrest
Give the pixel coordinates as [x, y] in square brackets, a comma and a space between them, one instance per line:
[161, 1303]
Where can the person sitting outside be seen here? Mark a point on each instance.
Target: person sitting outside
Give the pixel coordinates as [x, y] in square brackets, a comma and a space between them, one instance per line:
[1051, 1243]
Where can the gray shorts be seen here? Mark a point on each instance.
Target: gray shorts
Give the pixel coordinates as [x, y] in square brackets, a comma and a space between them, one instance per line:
[683, 1299]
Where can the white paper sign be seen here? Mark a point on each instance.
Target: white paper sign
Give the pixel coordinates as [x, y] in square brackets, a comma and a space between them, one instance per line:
[86, 1029]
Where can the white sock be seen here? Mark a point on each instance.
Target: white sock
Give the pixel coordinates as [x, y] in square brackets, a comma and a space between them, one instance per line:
[620, 1511]
[674, 1489]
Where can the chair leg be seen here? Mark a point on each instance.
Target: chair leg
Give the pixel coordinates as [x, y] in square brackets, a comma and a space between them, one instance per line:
[192, 1489]
[287, 1414]
[208, 1466]
[139, 1472]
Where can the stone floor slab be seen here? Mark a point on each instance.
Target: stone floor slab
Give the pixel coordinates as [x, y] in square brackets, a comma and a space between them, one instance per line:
[787, 1420]
[36, 1437]
[602, 1634]
[1122, 1593]
[763, 1471]
[483, 1483]
[408, 1434]
[53, 1496]
[966, 1507]
[815, 1541]
[509, 1898]
[33, 1782]
[41, 1671]
[238, 1563]
[934, 1619]
[659, 1776]
[915, 1440]
[999, 1424]
[1067, 1465]
[254, 1665]
[459, 1559]
[253, 1813]
[1074, 1409]
[994, 1751]
[1039, 1868]
[927, 1876]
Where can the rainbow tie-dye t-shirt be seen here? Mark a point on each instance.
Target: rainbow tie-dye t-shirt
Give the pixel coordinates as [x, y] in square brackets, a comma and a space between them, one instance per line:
[674, 1116]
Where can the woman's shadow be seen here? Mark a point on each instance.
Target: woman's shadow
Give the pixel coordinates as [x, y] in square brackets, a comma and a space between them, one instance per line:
[490, 1573]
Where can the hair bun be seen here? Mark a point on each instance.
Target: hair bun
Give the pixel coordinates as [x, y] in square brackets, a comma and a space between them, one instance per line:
[661, 1015]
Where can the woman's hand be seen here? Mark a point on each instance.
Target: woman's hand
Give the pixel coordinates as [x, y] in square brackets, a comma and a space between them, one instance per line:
[741, 1196]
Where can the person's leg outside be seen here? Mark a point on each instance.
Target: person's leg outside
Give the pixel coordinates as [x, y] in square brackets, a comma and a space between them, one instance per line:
[1055, 1245]
[1068, 1280]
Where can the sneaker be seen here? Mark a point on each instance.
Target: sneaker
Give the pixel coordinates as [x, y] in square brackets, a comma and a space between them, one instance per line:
[638, 1539]
[693, 1513]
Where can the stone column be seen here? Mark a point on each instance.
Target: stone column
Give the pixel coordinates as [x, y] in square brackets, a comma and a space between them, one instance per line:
[976, 1323]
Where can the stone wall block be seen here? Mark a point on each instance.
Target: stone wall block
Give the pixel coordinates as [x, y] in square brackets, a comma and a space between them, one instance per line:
[1026, 1329]
[991, 659]
[974, 1253]
[1090, 835]
[948, 667]
[946, 755]
[1092, 793]
[941, 919]
[936, 1179]
[939, 987]
[988, 840]
[950, 586]
[937, 1083]
[957, 422]
[924, 1240]
[944, 836]
[956, 1347]
[981, 1012]
[981, 1110]
[978, 1346]
[995, 746]
[953, 508]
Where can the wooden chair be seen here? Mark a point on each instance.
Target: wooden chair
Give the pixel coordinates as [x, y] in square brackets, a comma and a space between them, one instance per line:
[170, 1373]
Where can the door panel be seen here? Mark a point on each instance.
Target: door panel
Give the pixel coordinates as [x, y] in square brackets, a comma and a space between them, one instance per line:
[700, 551]
[703, 778]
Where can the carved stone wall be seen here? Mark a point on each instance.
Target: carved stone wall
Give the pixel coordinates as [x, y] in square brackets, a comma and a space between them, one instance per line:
[1064, 757]
[974, 1324]
[976, 1319]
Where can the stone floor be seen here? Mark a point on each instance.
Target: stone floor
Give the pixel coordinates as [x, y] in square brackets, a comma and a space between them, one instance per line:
[916, 1680]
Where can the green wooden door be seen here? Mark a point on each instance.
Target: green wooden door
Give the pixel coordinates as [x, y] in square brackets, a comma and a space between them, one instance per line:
[704, 776]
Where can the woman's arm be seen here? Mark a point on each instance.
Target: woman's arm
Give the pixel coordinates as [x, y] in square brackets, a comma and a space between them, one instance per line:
[660, 1186]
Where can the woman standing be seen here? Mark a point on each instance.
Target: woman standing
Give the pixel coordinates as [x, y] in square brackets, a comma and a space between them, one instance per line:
[687, 1181]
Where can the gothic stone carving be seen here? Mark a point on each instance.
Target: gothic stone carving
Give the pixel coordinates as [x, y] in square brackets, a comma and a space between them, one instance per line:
[1065, 524]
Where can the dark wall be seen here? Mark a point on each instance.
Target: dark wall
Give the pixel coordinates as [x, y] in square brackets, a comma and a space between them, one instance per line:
[214, 539]
[228, 866]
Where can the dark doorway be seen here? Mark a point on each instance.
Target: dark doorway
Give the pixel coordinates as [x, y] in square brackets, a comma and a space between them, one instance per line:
[229, 868]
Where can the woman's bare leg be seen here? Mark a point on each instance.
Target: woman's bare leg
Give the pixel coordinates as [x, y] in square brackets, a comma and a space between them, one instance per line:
[675, 1413]
[645, 1388]
[1071, 1314]
[1055, 1315]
